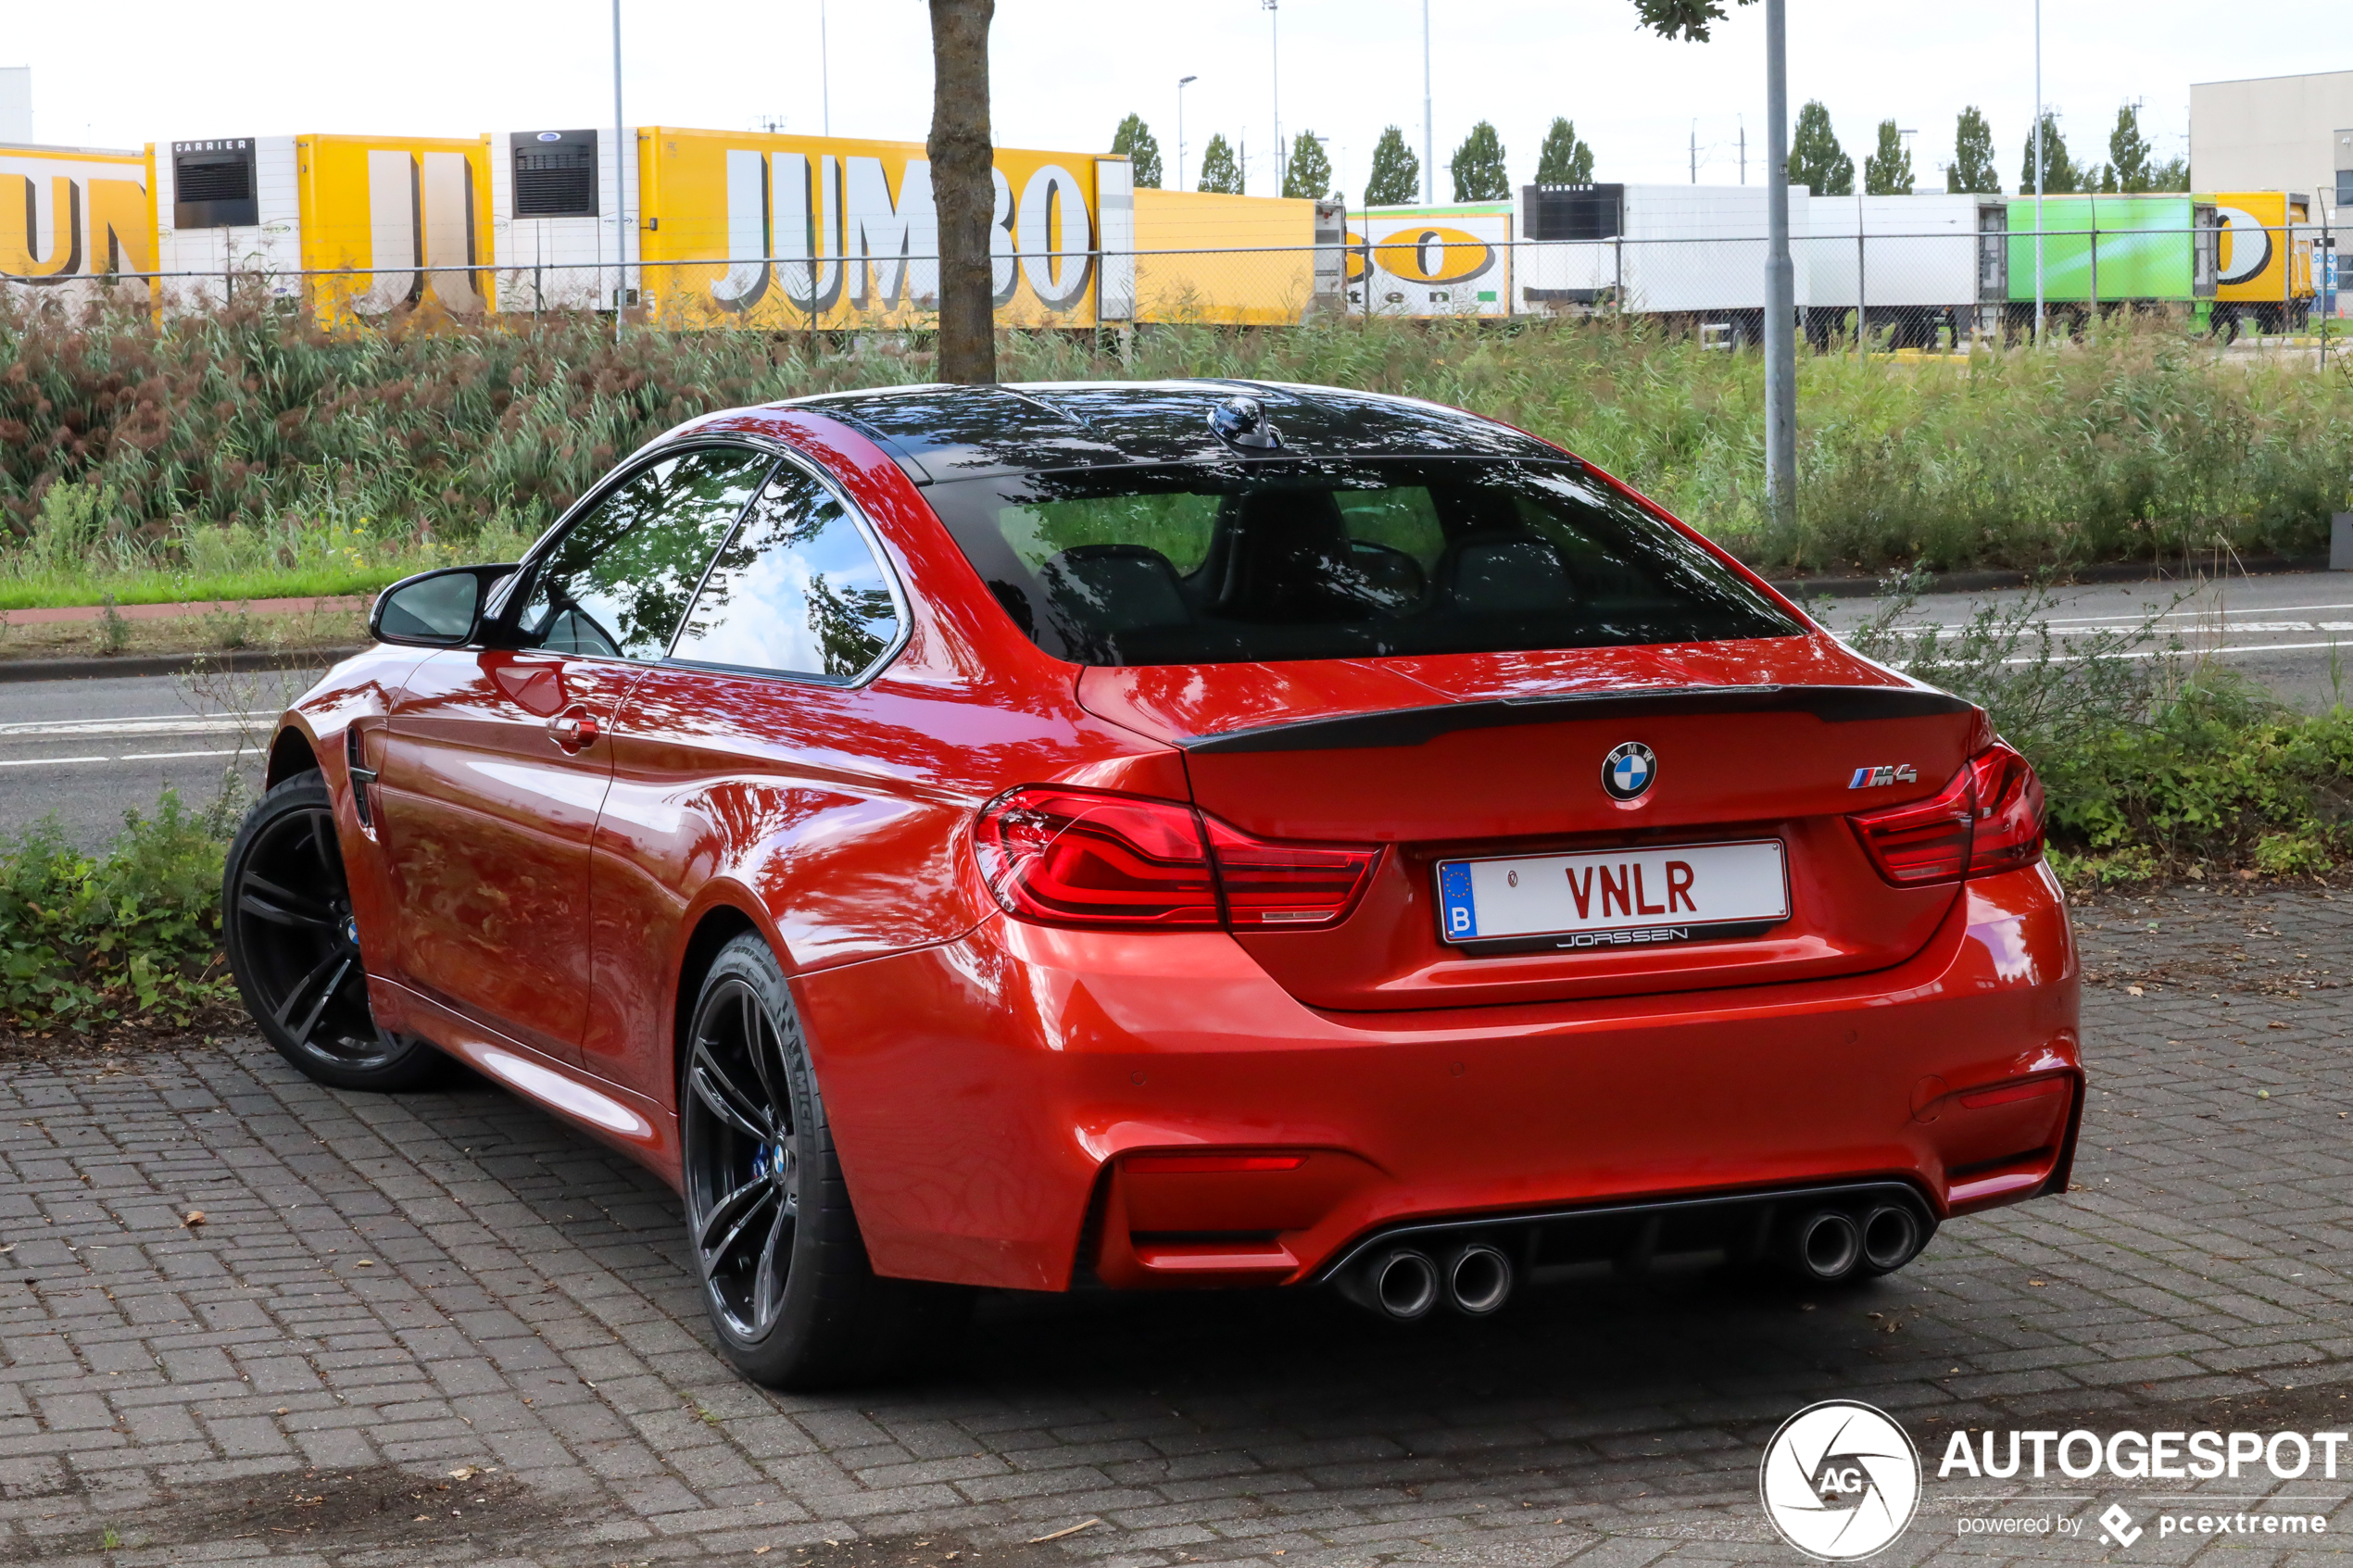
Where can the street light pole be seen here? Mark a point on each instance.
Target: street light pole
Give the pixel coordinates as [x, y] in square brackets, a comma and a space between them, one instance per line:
[1781, 281]
[1275, 46]
[2038, 170]
[824, 72]
[620, 174]
[1429, 156]
[1182, 83]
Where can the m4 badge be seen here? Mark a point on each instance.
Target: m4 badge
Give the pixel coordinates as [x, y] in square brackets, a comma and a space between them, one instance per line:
[1871, 778]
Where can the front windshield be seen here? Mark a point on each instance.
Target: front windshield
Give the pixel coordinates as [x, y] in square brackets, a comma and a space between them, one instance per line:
[1302, 560]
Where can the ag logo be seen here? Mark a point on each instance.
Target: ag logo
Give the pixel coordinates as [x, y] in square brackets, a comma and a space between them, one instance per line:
[1628, 770]
[1839, 1480]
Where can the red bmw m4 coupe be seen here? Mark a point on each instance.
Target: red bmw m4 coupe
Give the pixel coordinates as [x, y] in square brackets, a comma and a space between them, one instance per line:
[1182, 835]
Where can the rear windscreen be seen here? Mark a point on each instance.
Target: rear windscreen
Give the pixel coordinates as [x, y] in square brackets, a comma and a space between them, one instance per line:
[1284, 560]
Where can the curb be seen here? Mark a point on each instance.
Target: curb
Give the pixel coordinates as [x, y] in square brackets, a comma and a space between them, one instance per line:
[1803, 588]
[94, 667]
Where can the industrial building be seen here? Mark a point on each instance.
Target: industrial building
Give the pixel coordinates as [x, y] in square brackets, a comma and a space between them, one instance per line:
[2274, 133]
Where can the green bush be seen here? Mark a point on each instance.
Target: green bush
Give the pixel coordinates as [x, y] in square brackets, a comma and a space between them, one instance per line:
[88, 940]
[2217, 777]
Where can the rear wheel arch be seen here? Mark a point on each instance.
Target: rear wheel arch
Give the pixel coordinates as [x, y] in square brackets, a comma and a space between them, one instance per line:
[714, 928]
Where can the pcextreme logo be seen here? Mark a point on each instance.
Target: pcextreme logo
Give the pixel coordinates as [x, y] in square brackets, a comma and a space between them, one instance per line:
[1839, 1480]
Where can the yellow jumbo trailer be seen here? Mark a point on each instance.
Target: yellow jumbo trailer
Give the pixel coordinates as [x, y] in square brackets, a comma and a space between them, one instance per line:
[686, 228]
[2265, 277]
[355, 226]
[1239, 260]
[807, 232]
[70, 217]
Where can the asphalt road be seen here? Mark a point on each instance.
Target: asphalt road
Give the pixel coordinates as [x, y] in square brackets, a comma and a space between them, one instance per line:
[89, 750]
[2281, 632]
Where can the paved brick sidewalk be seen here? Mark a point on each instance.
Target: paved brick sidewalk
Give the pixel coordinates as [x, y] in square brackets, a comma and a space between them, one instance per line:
[387, 1290]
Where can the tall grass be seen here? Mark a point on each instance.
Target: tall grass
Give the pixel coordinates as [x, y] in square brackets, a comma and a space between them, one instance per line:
[248, 447]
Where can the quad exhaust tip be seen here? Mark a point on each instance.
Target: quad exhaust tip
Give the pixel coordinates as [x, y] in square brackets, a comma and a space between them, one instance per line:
[1823, 1240]
[1405, 1283]
[1829, 1244]
[1832, 1244]
[1479, 1280]
[1891, 1236]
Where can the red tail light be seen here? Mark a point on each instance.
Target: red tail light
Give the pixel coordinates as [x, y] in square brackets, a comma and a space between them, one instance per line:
[1988, 819]
[2009, 811]
[1270, 882]
[1071, 857]
[1076, 856]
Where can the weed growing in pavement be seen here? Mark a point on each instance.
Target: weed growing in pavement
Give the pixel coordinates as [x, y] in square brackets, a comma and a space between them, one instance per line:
[110, 634]
[226, 629]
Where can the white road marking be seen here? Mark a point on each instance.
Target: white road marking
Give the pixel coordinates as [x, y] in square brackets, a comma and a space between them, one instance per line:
[186, 724]
[46, 761]
[166, 756]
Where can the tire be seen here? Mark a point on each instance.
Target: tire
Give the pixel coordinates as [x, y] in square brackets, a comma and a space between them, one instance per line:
[783, 1266]
[293, 946]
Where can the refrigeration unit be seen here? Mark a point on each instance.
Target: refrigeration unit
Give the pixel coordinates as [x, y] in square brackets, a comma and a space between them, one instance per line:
[228, 206]
[563, 224]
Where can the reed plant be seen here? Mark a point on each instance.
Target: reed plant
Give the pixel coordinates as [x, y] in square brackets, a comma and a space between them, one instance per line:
[246, 453]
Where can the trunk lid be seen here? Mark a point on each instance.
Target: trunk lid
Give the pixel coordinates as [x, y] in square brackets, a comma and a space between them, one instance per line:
[1471, 756]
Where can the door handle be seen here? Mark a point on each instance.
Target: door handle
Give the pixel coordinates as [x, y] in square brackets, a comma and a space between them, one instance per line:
[576, 729]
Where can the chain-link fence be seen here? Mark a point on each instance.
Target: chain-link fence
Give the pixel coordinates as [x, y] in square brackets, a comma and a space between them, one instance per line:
[1927, 292]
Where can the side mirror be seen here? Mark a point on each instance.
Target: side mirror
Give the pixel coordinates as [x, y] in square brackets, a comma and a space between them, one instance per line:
[435, 609]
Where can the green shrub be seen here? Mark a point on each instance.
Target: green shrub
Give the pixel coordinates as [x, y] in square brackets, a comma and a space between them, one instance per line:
[86, 940]
[2217, 776]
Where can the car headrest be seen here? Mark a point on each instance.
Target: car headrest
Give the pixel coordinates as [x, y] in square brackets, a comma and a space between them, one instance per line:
[1112, 588]
[1507, 574]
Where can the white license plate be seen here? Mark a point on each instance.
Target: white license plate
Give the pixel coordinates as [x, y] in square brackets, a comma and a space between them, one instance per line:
[1614, 897]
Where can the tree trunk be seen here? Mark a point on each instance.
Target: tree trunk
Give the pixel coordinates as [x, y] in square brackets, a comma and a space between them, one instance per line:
[965, 187]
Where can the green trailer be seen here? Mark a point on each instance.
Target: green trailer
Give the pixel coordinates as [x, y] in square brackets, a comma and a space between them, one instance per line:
[2118, 250]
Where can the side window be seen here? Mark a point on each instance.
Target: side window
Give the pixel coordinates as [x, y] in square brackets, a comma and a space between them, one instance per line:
[796, 591]
[616, 583]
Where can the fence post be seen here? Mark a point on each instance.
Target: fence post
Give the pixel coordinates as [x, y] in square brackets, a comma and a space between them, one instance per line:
[1617, 260]
[1862, 332]
[2095, 274]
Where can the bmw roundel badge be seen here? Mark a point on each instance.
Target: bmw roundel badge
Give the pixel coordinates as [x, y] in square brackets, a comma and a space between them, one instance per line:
[1628, 770]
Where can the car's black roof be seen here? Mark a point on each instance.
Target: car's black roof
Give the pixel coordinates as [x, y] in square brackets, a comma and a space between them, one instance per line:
[947, 432]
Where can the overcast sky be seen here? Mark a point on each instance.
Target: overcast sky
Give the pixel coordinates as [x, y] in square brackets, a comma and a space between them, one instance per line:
[1065, 72]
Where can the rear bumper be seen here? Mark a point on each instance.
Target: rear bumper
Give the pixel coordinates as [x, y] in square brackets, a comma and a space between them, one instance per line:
[1026, 1104]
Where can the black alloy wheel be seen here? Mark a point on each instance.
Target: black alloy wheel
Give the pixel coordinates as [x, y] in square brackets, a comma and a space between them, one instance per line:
[294, 945]
[745, 1188]
[784, 1273]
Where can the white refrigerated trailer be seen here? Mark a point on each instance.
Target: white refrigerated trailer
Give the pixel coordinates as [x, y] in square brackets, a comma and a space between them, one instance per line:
[1696, 254]
[1912, 263]
[1691, 251]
